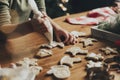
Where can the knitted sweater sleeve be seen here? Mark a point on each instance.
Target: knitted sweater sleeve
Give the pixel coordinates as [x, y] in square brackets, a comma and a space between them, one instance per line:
[4, 12]
[41, 5]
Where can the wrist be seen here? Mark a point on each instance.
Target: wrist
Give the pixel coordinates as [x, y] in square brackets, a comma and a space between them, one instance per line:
[36, 22]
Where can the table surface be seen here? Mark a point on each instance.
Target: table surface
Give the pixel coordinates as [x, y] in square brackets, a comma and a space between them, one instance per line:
[27, 45]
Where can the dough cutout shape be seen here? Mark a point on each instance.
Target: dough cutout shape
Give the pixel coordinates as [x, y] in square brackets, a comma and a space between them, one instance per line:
[53, 45]
[23, 72]
[94, 57]
[99, 73]
[92, 64]
[115, 63]
[88, 41]
[60, 71]
[27, 62]
[67, 60]
[76, 50]
[108, 50]
[78, 34]
[44, 53]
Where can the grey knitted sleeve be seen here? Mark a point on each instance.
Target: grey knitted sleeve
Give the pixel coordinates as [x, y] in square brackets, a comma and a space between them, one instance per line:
[4, 12]
[41, 5]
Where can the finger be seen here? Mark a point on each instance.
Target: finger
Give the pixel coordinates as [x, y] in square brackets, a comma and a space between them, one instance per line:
[66, 38]
[44, 13]
[39, 21]
[58, 38]
[73, 41]
[69, 40]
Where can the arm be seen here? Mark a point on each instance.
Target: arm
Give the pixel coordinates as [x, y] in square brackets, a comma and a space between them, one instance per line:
[4, 18]
[6, 25]
[61, 34]
[41, 5]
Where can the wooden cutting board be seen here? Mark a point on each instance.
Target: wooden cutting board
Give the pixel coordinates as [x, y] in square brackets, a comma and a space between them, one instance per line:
[27, 45]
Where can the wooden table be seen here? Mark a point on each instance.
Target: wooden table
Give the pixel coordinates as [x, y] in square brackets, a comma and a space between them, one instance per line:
[27, 45]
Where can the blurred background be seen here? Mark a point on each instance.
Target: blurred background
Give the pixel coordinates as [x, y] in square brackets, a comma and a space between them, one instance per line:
[57, 8]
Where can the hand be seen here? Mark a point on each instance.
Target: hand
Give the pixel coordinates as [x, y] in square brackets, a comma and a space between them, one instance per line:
[63, 36]
[38, 25]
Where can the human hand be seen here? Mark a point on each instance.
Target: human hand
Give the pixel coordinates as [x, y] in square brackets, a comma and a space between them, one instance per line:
[63, 36]
[39, 25]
